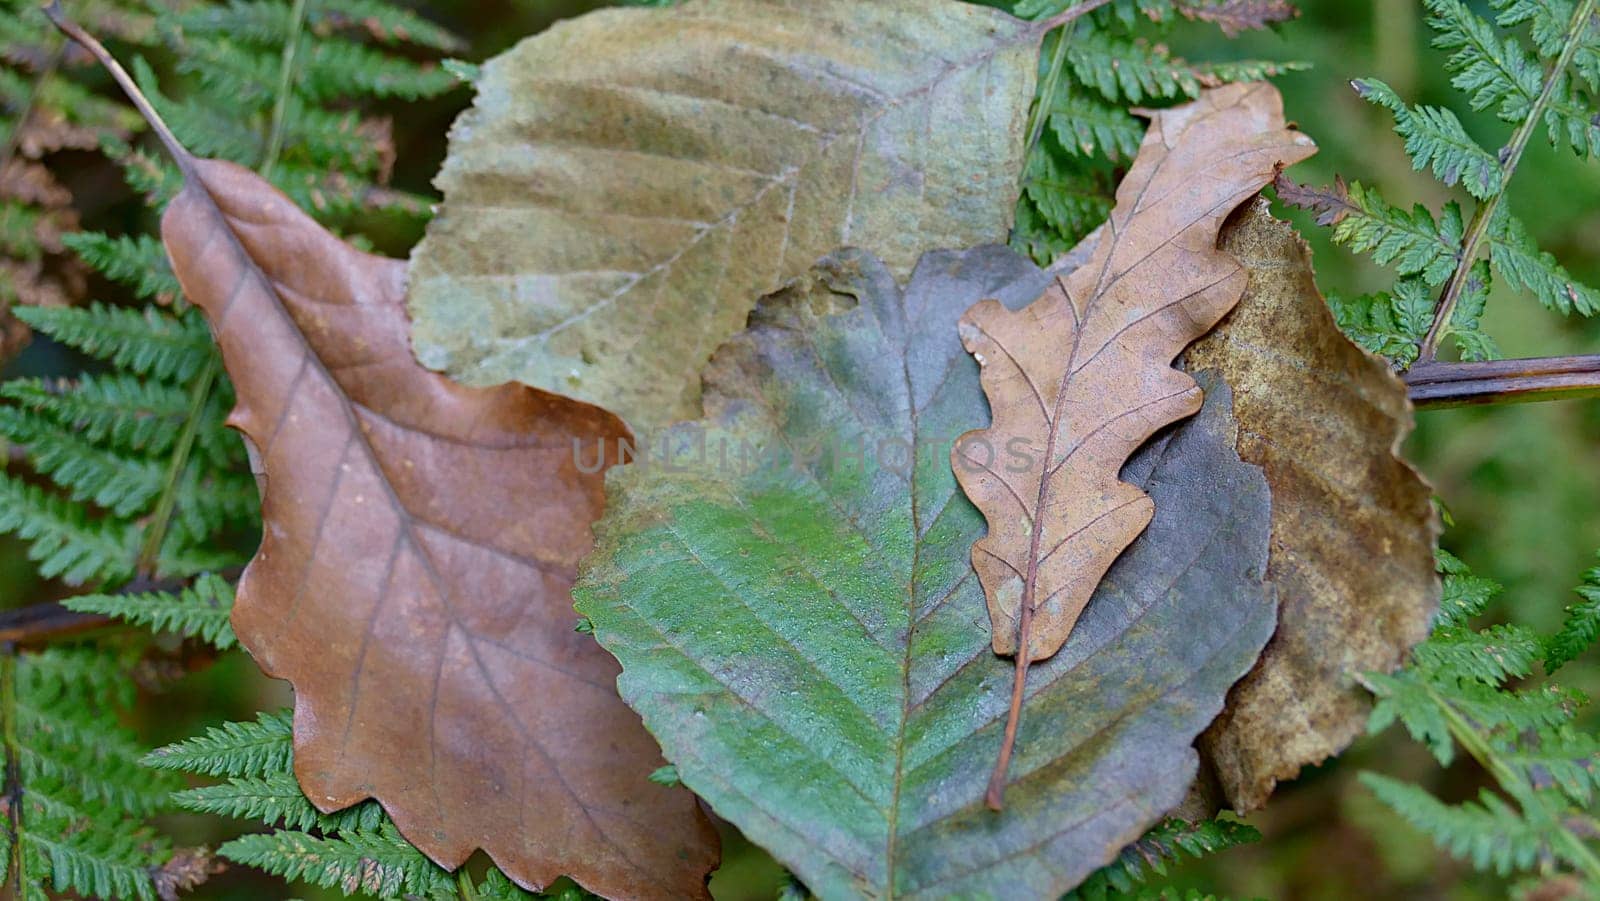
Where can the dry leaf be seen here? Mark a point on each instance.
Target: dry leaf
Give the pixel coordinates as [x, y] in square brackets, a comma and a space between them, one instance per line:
[186, 870]
[628, 183]
[413, 580]
[1353, 529]
[1083, 376]
[36, 269]
[419, 545]
[1237, 16]
[1331, 204]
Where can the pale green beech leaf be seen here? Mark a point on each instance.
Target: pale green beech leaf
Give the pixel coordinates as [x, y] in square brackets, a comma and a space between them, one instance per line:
[629, 182]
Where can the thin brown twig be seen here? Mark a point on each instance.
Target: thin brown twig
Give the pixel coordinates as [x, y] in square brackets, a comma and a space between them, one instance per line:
[38, 625]
[180, 155]
[1434, 385]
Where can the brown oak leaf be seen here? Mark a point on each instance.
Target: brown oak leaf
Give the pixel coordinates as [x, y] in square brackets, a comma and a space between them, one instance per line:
[1083, 376]
[420, 540]
[413, 580]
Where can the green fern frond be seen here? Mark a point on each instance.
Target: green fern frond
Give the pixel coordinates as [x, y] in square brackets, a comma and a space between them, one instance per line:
[1125, 70]
[1406, 698]
[201, 121]
[380, 864]
[1452, 696]
[20, 227]
[1567, 761]
[328, 70]
[1412, 242]
[333, 162]
[75, 677]
[1489, 68]
[496, 887]
[90, 777]
[1466, 322]
[1412, 308]
[109, 772]
[86, 863]
[52, 801]
[337, 140]
[1389, 324]
[336, 70]
[94, 117]
[1491, 656]
[262, 22]
[1515, 712]
[1493, 69]
[121, 412]
[1373, 321]
[338, 195]
[276, 800]
[136, 261]
[1489, 833]
[357, 850]
[1069, 194]
[1035, 236]
[1089, 126]
[1167, 843]
[122, 485]
[153, 177]
[144, 342]
[1519, 259]
[1435, 138]
[1547, 20]
[63, 540]
[199, 611]
[207, 505]
[1581, 628]
[1465, 595]
[1497, 70]
[82, 795]
[233, 749]
[80, 732]
[1129, 71]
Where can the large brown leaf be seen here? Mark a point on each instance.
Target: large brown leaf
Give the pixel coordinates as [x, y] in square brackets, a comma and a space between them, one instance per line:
[1353, 531]
[1083, 376]
[419, 546]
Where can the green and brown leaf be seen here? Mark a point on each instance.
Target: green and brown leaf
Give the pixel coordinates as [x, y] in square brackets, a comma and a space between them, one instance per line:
[791, 598]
